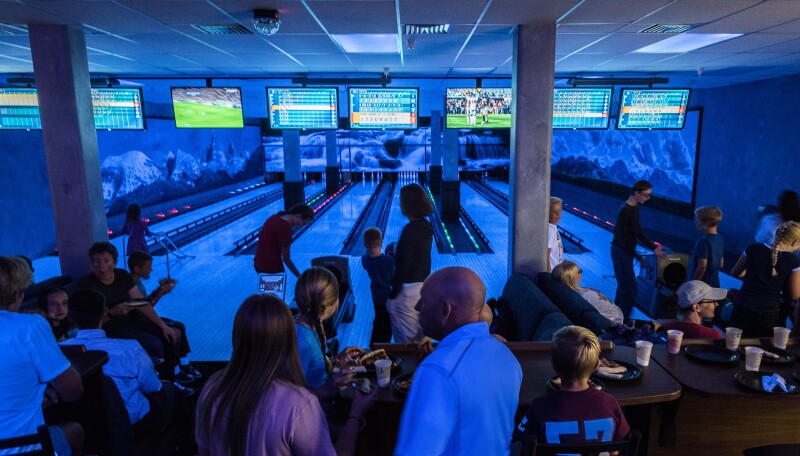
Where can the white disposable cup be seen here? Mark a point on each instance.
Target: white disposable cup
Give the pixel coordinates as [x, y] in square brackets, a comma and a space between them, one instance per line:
[383, 367]
[732, 338]
[674, 338]
[780, 337]
[752, 358]
[643, 349]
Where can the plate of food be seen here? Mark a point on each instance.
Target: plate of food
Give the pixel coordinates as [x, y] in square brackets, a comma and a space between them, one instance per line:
[615, 370]
[711, 354]
[753, 381]
[773, 355]
[402, 383]
[554, 383]
[362, 361]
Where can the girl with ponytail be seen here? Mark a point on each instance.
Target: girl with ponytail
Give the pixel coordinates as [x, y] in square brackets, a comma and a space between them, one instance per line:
[317, 297]
[767, 271]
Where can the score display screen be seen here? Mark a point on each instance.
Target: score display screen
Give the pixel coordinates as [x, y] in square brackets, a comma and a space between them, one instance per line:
[302, 108]
[383, 108]
[581, 108]
[19, 109]
[113, 109]
[652, 109]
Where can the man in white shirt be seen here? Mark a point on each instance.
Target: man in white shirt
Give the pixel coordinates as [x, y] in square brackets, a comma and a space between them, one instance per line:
[555, 249]
[465, 393]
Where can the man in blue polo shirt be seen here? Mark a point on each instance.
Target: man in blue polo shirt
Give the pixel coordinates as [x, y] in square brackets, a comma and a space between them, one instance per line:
[464, 395]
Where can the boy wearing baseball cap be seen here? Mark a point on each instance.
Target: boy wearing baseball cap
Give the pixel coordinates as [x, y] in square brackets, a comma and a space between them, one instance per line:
[697, 301]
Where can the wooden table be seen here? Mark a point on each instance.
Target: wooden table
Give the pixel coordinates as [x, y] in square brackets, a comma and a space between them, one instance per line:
[654, 387]
[718, 416]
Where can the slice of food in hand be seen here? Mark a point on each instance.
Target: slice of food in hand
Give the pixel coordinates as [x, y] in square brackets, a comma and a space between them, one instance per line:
[369, 358]
[769, 354]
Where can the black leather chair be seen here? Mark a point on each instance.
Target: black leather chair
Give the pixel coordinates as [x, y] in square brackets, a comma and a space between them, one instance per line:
[42, 438]
[628, 447]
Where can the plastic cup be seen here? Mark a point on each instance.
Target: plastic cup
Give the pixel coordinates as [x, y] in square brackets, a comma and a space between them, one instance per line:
[752, 358]
[780, 337]
[643, 349]
[383, 367]
[674, 338]
[732, 338]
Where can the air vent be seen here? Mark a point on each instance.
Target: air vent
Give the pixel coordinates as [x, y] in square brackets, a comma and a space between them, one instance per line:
[426, 29]
[669, 28]
[229, 29]
[13, 29]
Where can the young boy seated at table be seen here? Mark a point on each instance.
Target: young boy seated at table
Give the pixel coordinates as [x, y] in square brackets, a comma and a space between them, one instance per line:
[577, 413]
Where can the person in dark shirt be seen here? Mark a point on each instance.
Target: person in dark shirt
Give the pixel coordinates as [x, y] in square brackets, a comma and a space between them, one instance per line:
[708, 253]
[380, 268]
[275, 240]
[697, 302]
[412, 263]
[53, 303]
[623, 247]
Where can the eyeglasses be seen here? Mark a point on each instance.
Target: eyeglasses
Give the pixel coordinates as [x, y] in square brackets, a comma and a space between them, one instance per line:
[646, 195]
[708, 301]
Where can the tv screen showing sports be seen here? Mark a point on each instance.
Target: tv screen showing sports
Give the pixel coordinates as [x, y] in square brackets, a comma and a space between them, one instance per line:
[118, 109]
[652, 109]
[580, 109]
[303, 108]
[19, 109]
[207, 107]
[383, 109]
[478, 108]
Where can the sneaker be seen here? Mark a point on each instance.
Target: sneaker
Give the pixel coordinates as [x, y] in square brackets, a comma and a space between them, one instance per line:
[191, 370]
[183, 377]
[184, 391]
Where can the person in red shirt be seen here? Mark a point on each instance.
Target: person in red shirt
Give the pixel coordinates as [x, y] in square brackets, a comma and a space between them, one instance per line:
[697, 301]
[275, 240]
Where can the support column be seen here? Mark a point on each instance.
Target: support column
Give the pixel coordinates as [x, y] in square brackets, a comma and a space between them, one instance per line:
[61, 70]
[293, 185]
[435, 170]
[451, 188]
[531, 141]
[332, 169]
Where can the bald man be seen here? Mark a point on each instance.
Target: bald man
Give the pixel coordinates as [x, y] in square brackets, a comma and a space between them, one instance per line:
[465, 393]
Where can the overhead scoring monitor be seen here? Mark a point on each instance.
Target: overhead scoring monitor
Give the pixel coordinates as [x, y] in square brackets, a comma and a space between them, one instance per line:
[383, 108]
[302, 108]
[652, 109]
[19, 109]
[581, 108]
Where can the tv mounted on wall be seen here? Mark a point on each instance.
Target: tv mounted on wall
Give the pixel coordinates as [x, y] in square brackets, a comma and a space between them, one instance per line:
[652, 109]
[383, 108]
[581, 109]
[473, 107]
[295, 108]
[207, 107]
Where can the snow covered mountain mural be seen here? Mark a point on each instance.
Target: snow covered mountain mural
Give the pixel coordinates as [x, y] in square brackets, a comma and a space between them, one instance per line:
[664, 157]
[164, 163]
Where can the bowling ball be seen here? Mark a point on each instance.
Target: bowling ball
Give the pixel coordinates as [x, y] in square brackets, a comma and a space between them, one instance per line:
[391, 248]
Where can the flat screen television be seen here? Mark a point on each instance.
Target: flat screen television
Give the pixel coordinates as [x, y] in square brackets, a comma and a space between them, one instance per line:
[19, 109]
[383, 108]
[118, 108]
[207, 107]
[473, 107]
[293, 108]
[652, 109]
[581, 109]
[113, 108]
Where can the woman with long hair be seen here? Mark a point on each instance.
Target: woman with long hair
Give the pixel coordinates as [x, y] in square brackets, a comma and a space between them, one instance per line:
[317, 297]
[412, 264]
[136, 229]
[571, 275]
[766, 272]
[258, 404]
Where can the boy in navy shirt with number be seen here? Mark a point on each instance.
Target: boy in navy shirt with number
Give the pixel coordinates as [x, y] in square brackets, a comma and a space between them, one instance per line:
[380, 268]
[576, 413]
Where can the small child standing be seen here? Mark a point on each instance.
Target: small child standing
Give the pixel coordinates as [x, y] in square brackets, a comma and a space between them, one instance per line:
[708, 254]
[380, 268]
[555, 249]
[136, 229]
[577, 413]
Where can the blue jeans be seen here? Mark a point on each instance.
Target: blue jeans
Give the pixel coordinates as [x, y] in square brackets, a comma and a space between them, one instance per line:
[626, 279]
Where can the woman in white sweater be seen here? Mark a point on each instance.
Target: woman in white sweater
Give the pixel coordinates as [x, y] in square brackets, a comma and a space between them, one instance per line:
[570, 275]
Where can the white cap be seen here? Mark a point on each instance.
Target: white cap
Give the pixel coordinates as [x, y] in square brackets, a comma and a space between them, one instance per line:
[695, 291]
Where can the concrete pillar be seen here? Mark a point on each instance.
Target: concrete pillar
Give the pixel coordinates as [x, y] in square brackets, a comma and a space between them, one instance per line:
[332, 168]
[531, 141]
[61, 70]
[451, 189]
[293, 185]
[435, 170]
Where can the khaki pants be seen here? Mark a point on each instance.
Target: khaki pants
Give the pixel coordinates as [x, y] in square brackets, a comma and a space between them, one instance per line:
[405, 318]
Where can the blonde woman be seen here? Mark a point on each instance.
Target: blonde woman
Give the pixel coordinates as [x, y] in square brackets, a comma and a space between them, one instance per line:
[570, 275]
[766, 271]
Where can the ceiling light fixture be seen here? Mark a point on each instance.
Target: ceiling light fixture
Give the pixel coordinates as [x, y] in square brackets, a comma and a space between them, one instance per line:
[266, 21]
[686, 42]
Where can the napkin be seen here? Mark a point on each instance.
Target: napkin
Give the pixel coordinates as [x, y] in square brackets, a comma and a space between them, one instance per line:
[770, 382]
